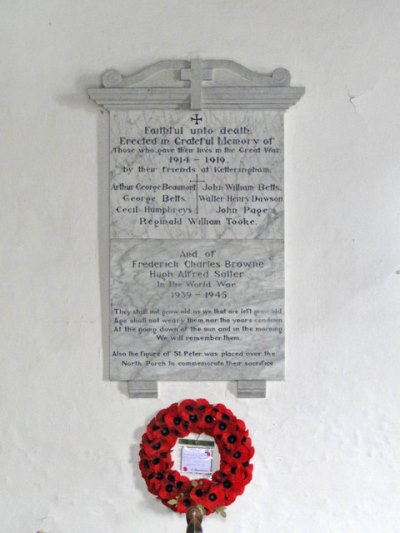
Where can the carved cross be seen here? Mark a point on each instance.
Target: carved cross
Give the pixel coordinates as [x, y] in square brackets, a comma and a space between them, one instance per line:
[196, 75]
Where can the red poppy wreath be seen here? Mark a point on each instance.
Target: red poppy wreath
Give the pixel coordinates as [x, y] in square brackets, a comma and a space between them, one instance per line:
[178, 492]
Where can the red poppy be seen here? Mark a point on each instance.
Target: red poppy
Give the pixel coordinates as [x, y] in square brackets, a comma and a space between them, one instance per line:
[174, 421]
[238, 475]
[190, 405]
[168, 491]
[199, 491]
[222, 413]
[158, 431]
[183, 504]
[201, 404]
[215, 497]
[206, 420]
[160, 415]
[240, 454]
[231, 438]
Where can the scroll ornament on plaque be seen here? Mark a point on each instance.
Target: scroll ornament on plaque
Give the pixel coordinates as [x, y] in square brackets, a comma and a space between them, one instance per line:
[200, 496]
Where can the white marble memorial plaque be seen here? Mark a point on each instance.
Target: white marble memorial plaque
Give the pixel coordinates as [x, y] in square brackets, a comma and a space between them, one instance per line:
[197, 226]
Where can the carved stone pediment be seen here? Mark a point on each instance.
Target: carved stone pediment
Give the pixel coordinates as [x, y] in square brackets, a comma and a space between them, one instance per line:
[197, 84]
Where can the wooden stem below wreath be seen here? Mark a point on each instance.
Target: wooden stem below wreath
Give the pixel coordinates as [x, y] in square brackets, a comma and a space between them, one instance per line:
[194, 517]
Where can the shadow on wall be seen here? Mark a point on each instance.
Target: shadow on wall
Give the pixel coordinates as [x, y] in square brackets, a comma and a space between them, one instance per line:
[80, 100]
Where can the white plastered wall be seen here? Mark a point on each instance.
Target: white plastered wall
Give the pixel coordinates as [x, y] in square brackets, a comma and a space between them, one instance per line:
[328, 439]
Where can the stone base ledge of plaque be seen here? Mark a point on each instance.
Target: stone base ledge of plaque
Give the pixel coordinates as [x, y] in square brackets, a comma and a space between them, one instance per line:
[143, 389]
[251, 389]
[245, 389]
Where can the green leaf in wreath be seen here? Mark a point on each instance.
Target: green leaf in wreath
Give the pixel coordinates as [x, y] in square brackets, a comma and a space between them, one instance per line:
[221, 511]
[173, 502]
[194, 483]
